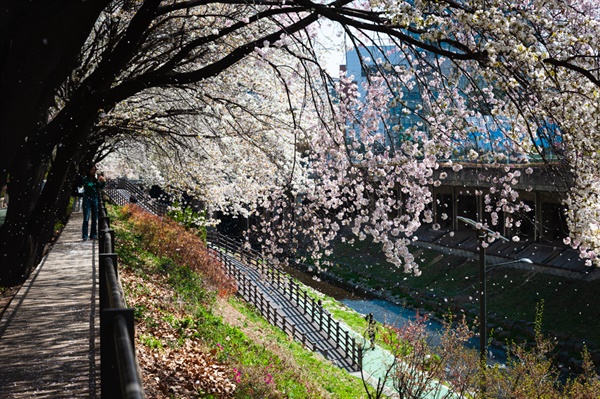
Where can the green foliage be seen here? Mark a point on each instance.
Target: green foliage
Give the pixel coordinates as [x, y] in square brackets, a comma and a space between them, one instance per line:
[187, 283]
[150, 341]
[58, 226]
[533, 373]
[187, 217]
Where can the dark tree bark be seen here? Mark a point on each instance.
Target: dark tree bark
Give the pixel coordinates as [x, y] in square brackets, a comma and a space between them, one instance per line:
[40, 44]
[36, 59]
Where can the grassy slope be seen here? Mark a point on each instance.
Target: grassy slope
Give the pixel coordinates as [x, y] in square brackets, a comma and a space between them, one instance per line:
[182, 330]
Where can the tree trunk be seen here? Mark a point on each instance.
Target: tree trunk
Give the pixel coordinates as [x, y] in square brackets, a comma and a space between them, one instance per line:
[35, 206]
[17, 240]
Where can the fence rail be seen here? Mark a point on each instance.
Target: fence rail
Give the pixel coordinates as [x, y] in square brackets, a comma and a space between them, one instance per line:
[252, 294]
[343, 339]
[119, 372]
[121, 191]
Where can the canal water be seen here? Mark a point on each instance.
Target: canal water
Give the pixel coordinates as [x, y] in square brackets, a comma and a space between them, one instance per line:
[383, 311]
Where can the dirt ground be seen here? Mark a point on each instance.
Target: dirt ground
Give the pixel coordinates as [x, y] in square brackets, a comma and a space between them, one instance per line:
[6, 295]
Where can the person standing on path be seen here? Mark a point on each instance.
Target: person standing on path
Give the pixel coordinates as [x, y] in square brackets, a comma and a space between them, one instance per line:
[91, 187]
[371, 329]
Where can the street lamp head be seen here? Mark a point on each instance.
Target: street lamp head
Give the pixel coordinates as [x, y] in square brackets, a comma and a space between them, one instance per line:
[522, 260]
[468, 221]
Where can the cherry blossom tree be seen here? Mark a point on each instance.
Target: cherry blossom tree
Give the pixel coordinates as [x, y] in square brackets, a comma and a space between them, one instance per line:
[230, 102]
[229, 140]
[530, 68]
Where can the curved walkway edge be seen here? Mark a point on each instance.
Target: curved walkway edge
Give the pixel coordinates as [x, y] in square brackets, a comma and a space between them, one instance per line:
[49, 335]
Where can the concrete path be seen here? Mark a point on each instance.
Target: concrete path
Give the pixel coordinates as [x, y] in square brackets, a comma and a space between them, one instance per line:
[49, 335]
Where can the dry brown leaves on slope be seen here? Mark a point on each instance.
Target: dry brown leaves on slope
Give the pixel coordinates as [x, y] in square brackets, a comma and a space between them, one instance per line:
[183, 371]
[180, 366]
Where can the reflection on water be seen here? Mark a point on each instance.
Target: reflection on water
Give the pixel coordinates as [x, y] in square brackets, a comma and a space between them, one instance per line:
[396, 315]
[392, 314]
[387, 312]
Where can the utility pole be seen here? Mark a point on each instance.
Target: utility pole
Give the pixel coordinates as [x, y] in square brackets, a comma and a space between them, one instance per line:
[482, 298]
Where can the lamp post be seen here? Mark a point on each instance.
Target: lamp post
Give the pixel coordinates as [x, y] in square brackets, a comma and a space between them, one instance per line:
[482, 233]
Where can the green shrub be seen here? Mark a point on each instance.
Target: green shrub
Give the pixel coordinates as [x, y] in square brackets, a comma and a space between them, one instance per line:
[187, 217]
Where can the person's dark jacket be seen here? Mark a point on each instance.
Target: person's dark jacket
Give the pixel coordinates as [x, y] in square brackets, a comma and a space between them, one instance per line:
[91, 187]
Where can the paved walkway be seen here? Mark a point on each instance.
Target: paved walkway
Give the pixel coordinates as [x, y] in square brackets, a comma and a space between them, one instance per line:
[49, 335]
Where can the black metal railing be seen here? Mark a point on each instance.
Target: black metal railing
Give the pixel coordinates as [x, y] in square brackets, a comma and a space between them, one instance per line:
[251, 294]
[119, 372]
[122, 191]
[286, 286]
[224, 245]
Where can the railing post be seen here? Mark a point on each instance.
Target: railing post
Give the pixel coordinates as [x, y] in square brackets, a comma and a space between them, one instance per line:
[347, 346]
[104, 286]
[268, 310]
[305, 303]
[320, 309]
[102, 239]
[109, 365]
[260, 304]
